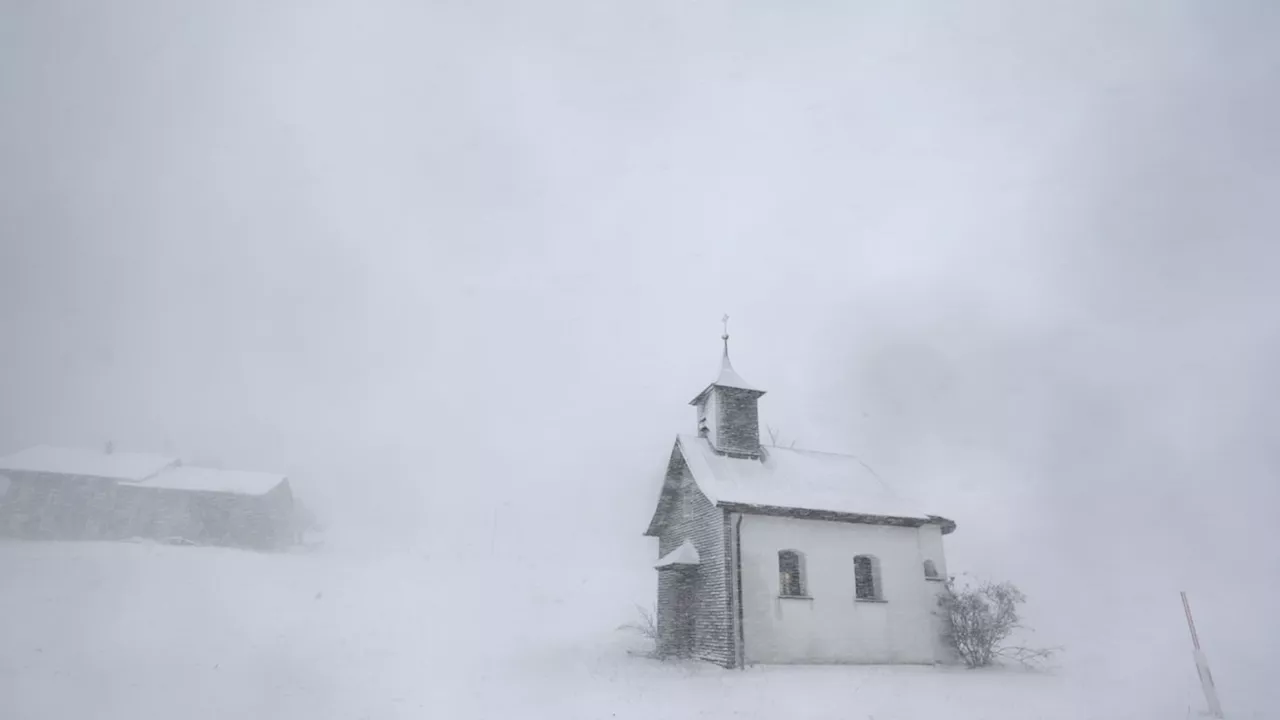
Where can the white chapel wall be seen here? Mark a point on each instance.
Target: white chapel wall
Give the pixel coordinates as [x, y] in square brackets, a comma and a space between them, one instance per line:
[931, 549]
[830, 625]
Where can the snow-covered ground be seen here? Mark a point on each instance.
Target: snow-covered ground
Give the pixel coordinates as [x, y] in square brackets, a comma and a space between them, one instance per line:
[138, 631]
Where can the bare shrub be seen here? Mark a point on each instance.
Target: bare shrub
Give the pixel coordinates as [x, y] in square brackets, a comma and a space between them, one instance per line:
[983, 617]
[645, 625]
[775, 437]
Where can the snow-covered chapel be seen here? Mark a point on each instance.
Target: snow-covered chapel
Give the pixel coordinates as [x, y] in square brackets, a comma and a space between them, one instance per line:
[777, 555]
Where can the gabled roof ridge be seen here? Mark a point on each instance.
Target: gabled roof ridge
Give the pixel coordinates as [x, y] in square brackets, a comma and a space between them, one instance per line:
[123, 465]
[676, 451]
[196, 478]
[810, 450]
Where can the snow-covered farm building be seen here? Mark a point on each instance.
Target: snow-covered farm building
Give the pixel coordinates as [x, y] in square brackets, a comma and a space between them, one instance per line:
[777, 555]
[56, 493]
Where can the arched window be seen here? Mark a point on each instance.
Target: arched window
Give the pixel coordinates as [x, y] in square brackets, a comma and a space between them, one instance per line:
[790, 573]
[866, 577]
[930, 570]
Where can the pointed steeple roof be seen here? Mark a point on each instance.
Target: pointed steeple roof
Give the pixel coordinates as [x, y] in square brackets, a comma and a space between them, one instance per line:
[728, 377]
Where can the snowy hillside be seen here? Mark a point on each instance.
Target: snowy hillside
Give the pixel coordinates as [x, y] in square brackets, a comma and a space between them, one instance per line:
[456, 269]
[144, 631]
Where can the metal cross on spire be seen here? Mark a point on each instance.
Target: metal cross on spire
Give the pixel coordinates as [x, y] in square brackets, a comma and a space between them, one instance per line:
[725, 336]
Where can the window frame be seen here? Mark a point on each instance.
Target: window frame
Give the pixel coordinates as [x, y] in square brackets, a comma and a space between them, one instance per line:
[877, 587]
[931, 571]
[800, 584]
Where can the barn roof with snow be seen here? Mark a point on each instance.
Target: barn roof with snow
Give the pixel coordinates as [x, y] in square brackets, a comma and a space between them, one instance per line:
[138, 470]
[123, 466]
[199, 479]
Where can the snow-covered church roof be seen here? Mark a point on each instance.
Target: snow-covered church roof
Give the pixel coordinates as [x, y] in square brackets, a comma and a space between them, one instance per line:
[801, 481]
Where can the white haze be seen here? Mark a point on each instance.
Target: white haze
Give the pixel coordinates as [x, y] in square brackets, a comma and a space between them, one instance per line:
[457, 268]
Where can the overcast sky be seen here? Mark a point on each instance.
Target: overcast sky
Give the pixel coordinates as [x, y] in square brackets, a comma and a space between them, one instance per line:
[460, 266]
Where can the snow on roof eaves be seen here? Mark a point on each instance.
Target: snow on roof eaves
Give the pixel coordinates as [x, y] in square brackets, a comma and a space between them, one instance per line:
[686, 554]
[794, 480]
[128, 467]
[198, 479]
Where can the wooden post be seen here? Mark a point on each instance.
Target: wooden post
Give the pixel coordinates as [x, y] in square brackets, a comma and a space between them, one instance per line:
[1202, 664]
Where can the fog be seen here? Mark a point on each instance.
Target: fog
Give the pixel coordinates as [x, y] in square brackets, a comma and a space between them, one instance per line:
[457, 269]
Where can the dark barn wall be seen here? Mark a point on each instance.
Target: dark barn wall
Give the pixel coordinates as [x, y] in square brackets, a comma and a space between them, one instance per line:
[44, 506]
[259, 522]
